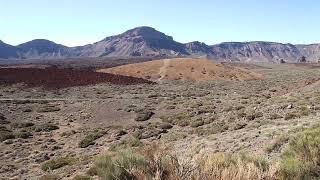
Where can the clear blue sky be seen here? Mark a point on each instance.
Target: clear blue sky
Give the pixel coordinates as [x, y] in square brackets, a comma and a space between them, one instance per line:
[78, 22]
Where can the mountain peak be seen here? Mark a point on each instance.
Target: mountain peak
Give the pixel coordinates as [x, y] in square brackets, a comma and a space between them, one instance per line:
[141, 30]
[39, 42]
[145, 32]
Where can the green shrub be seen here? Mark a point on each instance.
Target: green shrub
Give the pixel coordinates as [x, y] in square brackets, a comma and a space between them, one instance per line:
[131, 142]
[56, 163]
[90, 139]
[22, 124]
[301, 160]
[23, 134]
[120, 165]
[180, 119]
[5, 134]
[47, 127]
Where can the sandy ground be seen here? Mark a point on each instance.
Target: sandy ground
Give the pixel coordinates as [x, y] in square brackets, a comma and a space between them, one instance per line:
[183, 69]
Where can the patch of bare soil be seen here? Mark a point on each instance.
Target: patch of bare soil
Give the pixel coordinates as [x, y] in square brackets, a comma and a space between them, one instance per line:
[183, 69]
[53, 78]
[307, 65]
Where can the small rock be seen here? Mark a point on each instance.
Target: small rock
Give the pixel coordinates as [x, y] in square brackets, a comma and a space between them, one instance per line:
[8, 141]
[290, 106]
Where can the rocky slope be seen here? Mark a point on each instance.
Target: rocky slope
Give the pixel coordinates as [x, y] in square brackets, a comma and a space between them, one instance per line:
[142, 41]
[41, 48]
[146, 41]
[256, 51]
[7, 51]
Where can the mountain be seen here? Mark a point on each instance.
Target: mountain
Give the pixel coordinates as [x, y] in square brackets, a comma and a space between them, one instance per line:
[311, 51]
[197, 48]
[258, 51]
[141, 41]
[7, 51]
[146, 41]
[41, 48]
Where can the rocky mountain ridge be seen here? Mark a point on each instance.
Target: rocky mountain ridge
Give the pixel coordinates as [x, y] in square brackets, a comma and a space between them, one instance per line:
[148, 42]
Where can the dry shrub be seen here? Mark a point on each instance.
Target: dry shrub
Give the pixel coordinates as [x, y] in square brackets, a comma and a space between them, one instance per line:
[221, 166]
[164, 165]
[277, 143]
[158, 164]
[301, 160]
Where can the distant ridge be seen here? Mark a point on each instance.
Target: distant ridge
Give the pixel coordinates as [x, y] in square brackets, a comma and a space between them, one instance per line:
[148, 42]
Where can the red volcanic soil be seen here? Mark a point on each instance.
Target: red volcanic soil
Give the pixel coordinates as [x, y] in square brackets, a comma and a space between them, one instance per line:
[53, 78]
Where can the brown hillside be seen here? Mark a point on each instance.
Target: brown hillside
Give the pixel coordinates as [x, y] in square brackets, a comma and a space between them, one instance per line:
[183, 69]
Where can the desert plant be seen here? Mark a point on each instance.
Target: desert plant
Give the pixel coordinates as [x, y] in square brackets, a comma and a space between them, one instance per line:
[197, 123]
[130, 142]
[227, 166]
[56, 163]
[274, 116]
[90, 139]
[277, 143]
[291, 115]
[123, 164]
[301, 159]
[48, 108]
[23, 134]
[47, 127]
[5, 134]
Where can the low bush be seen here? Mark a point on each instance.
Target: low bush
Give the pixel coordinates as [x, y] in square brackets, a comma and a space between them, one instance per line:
[237, 166]
[277, 143]
[56, 163]
[23, 134]
[291, 115]
[47, 127]
[90, 139]
[5, 134]
[120, 165]
[301, 160]
[131, 142]
[197, 123]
